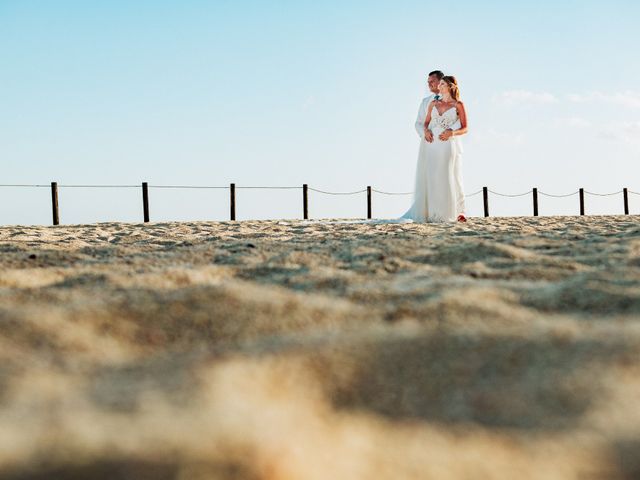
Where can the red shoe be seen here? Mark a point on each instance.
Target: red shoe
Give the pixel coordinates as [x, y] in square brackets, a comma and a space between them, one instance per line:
[462, 218]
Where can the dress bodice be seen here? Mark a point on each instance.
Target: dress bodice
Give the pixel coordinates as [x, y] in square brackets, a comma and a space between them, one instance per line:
[448, 119]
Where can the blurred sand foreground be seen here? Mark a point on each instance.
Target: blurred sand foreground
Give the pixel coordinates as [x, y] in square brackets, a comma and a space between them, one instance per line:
[506, 348]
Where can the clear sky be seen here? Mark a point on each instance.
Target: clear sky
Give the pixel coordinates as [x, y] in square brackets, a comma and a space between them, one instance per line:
[282, 93]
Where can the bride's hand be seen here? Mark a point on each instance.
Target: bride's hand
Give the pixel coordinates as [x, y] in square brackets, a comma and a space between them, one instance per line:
[428, 136]
[446, 135]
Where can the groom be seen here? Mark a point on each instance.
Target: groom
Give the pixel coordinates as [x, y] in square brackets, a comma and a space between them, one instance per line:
[433, 80]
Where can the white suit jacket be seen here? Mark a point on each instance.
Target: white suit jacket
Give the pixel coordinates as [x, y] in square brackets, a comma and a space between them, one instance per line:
[422, 114]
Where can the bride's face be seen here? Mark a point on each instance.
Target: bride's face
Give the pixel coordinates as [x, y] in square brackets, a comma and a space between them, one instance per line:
[443, 87]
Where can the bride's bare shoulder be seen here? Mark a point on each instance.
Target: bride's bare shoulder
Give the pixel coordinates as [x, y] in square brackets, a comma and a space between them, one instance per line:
[460, 106]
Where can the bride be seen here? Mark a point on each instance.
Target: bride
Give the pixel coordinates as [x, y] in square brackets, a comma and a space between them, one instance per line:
[437, 196]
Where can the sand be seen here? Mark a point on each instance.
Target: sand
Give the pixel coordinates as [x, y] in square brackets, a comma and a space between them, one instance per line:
[276, 350]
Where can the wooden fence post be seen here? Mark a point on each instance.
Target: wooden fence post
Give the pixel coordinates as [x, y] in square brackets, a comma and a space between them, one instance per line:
[54, 203]
[582, 201]
[535, 202]
[625, 194]
[368, 202]
[305, 201]
[145, 201]
[232, 192]
[485, 195]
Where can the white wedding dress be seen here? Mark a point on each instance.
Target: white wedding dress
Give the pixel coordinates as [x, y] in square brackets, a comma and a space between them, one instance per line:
[438, 196]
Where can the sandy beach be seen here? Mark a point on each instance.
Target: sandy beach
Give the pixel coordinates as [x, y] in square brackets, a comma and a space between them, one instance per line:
[504, 348]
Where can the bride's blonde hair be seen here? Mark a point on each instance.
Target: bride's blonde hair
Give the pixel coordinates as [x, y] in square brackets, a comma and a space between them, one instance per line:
[453, 86]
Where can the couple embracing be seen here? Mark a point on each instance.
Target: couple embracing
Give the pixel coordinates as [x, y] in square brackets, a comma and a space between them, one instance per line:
[438, 194]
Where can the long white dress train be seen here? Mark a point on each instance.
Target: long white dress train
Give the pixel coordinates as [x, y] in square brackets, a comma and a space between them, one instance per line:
[437, 195]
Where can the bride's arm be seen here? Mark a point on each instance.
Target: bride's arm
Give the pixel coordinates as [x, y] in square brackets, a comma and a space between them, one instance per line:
[462, 115]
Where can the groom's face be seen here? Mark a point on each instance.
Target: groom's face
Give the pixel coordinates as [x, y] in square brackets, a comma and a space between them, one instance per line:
[433, 82]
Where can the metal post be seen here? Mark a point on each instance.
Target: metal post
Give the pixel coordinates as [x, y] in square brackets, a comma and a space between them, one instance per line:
[535, 202]
[368, 202]
[485, 194]
[232, 192]
[582, 201]
[625, 194]
[54, 203]
[305, 201]
[145, 201]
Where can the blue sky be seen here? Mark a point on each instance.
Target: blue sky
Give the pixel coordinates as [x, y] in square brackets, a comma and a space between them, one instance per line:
[324, 93]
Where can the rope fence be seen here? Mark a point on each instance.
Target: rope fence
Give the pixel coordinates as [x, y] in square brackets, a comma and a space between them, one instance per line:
[305, 195]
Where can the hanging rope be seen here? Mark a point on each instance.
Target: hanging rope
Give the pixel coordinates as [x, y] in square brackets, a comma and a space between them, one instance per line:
[391, 193]
[272, 188]
[100, 186]
[511, 195]
[604, 194]
[337, 193]
[25, 185]
[180, 186]
[558, 196]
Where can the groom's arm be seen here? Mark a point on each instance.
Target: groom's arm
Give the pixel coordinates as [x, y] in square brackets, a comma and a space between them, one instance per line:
[422, 114]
